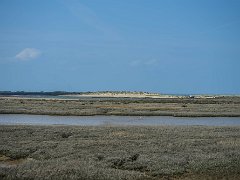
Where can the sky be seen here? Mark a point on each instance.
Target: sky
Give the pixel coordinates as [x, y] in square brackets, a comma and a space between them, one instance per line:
[164, 46]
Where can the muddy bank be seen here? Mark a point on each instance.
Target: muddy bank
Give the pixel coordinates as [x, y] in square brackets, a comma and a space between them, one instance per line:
[180, 107]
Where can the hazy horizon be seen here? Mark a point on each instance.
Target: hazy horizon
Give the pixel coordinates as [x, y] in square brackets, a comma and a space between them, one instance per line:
[168, 47]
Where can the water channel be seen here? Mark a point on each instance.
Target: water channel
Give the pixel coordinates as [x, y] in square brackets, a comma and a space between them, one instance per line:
[14, 119]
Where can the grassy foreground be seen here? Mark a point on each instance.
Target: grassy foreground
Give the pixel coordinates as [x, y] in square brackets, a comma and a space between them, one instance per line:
[163, 152]
[188, 107]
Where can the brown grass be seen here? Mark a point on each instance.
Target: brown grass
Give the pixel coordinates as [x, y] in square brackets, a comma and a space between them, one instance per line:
[75, 152]
[226, 106]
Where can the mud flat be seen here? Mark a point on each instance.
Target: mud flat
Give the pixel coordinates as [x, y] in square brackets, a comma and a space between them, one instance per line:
[77, 152]
[202, 106]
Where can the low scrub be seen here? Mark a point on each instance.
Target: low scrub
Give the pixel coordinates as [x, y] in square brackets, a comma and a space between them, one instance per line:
[71, 152]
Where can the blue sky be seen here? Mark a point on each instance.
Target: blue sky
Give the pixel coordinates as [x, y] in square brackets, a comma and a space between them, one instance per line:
[165, 46]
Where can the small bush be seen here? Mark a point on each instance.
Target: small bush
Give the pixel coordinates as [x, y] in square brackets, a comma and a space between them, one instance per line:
[66, 135]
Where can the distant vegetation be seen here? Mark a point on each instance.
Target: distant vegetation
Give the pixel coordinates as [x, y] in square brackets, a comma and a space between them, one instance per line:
[57, 93]
[53, 93]
[82, 106]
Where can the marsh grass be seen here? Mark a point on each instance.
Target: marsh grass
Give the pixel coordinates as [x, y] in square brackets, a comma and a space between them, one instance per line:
[227, 106]
[71, 152]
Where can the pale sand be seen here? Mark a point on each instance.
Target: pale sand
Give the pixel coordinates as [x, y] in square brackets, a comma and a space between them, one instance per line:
[135, 95]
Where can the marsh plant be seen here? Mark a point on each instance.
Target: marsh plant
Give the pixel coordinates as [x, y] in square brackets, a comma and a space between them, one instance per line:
[71, 152]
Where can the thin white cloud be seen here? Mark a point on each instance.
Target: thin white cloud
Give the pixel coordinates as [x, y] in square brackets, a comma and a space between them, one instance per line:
[28, 54]
[150, 62]
[135, 63]
[220, 27]
[91, 18]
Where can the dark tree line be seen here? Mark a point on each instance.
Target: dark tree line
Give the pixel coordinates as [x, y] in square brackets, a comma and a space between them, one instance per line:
[41, 93]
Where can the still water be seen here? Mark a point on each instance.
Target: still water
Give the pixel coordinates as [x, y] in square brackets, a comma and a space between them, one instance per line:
[8, 119]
